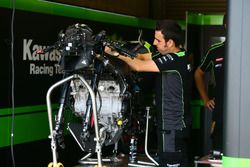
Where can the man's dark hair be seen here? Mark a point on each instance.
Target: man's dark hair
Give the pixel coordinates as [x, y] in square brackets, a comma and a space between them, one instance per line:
[171, 30]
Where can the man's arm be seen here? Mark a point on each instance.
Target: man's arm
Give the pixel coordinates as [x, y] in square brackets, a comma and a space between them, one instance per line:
[142, 63]
[144, 56]
[200, 84]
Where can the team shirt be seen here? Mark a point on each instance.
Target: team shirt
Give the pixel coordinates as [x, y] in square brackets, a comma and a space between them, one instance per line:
[173, 90]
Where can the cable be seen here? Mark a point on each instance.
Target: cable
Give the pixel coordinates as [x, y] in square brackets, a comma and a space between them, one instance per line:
[12, 84]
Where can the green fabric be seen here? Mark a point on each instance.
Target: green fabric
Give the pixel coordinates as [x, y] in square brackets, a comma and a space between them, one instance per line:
[180, 54]
[235, 162]
[205, 19]
[52, 8]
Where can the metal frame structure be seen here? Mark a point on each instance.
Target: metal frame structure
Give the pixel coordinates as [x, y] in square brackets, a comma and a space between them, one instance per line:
[53, 133]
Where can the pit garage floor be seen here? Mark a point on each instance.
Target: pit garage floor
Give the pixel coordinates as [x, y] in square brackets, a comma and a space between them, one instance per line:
[120, 161]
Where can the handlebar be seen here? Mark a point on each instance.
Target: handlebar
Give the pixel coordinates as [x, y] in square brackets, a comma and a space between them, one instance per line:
[118, 47]
[102, 38]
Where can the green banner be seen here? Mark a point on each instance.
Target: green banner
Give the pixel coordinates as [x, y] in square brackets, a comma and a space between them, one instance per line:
[205, 19]
[30, 124]
[25, 109]
[235, 162]
[46, 7]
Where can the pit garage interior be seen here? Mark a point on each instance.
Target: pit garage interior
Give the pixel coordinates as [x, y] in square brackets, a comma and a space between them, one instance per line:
[33, 92]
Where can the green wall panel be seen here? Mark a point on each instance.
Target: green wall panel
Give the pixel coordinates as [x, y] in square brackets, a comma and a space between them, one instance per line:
[30, 124]
[235, 162]
[77, 12]
[28, 127]
[204, 19]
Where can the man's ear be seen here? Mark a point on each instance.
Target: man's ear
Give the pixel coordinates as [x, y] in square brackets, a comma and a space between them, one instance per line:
[169, 43]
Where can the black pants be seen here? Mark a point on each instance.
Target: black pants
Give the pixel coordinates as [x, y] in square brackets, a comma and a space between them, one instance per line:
[173, 148]
[217, 135]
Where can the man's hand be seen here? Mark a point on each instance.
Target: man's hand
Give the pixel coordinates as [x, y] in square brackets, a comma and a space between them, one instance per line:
[109, 51]
[210, 104]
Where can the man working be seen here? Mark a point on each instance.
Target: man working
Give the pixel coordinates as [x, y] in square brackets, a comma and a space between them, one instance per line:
[170, 62]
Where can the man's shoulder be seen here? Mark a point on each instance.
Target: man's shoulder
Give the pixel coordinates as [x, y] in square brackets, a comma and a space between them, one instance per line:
[217, 46]
[156, 55]
[216, 49]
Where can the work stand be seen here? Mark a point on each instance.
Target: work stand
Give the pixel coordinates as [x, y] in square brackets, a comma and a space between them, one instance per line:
[87, 160]
[151, 161]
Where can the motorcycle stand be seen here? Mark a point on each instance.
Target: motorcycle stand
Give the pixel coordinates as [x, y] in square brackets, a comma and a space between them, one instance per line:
[86, 160]
[52, 131]
[144, 163]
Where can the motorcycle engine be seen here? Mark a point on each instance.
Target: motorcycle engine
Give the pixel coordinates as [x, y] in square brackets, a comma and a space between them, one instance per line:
[110, 108]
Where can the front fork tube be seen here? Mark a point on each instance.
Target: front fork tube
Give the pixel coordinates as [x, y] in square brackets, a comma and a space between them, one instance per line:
[59, 119]
[87, 116]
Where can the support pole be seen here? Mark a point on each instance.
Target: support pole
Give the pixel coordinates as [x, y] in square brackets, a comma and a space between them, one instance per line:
[237, 84]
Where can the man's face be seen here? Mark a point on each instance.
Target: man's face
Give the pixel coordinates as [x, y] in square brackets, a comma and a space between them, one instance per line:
[160, 42]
